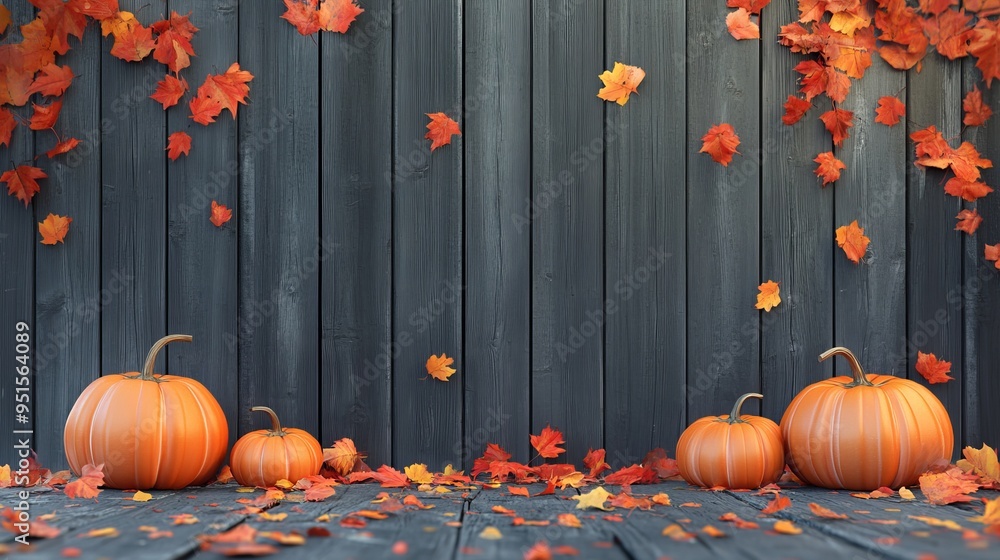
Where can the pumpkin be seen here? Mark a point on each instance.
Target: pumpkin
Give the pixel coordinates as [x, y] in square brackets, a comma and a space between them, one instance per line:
[731, 451]
[149, 431]
[264, 457]
[865, 431]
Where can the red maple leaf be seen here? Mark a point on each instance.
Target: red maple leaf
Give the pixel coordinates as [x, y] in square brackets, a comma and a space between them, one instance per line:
[221, 91]
[852, 239]
[61, 20]
[134, 44]
[98, 9]
[950, 32]
[53, 81]
[837, 121]
[22, 182]
[45, 116]
[948, 487]
[169, 90]
[547, 443]
[390, 477]
[795, 109]
[87, 486]
[829, 167]
[62, 147]
[752, 6]
[720, 142]
[220, 214]
[180, 143]
[976, 111]
[985, 46]
[968, 221]
[303, 15]
[933, 369]
[595, 460]
[890, 109]
[440, 130]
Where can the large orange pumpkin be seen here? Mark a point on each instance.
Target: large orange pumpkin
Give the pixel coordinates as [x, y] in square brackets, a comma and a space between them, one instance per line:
[865, 431]
[731, 451]
[264, 457]
[149, 431]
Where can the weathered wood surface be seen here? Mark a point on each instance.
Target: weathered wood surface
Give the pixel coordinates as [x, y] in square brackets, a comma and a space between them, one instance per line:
[454, 526]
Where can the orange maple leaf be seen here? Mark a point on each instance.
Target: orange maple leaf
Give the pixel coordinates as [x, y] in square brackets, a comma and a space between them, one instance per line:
[985, 46]
[437, 367]
[949, 31]
[62, 147]
[342, 456]
[338, 15]
[45, 116]
[390, 477]
[795, 109]
[134, 44]
[769, 296]
[220, 214]
[967, 190]
[61, 20]
[752, 6]
[821, 511]
[169, 90]
[983, 7]
[53, 81]
[98, 9]
[87, 486]
[851, 238]
[740, 26]
[173, 45]
[22, 182]
[594, 461]
[720, 142]
[54, 230]
[948, 487]
[221, 91]
[993, 254]
[180, 143]
[547, 443]
[976, 112]
[440, 130]
[968, 221]
[933, 369]
[303, 15]
[829, 167]
[777, 504]
[890, 109]
[5, 19]
[837, 121]
[7, 125]
[620, 83]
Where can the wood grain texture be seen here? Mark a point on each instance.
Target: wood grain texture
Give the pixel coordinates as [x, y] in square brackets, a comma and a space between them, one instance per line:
[796, 222]
[567, 219]
[427, 234]
[202, 273]
[645, 240]
[934, 257]
[723, 207]
[18, 237]
[497, 140]
[356, 291]
[133, 206]
[280, 248]
[981, 283]
[68, 276]
[870, 299]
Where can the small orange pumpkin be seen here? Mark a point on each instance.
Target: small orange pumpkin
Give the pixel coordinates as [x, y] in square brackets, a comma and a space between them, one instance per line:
[264, 457]
[731, 451]
[865, 432]
[149, 431]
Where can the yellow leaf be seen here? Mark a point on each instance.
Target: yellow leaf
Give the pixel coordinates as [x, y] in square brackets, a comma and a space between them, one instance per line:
[620, 83]
[437, 367]
[676, 532]
[284, 484]
[342, 456]
[573, 480]
[105, 532]
[4, 476]
[265, 516]
[769, 296]
[786, 527]
[593, 499]
[246, 489]
[847, 22]
[491, 533]
[991, 515]
[905, 493]
[935, 522]
[712, 531]
[662, 499]
[141, 496]
[981, 461]
[418, 473]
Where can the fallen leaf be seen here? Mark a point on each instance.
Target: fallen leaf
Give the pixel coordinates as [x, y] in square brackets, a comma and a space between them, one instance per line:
[184, 519]
[437, 367]
[769, 296]
[837, 122]
[983, 462]
[777, 504]
[752, 6]
[933, 369]
[417, 473]
[53, 81]
[22, 182]
[906, 493]
[7, 125]
[342, 456]
[968, 221]
[287, 539]
[991, 513]
[976, 111]
[593, 499]
[141, 496]
[568, 520]
[519, 491]
[970, 191]
[439, 132]
[169, 90]
[220, 214]
[490, 533]
[594, 460]
[829, 167]
[45, 116]
[935, 522]
[71, 552]
[620, 83]
[249, 549]
[736, 520]
[795, 109]
[786, 527]
[390, 477]
[821, 511]
[661, 499]
[319, 492]
[62, 147]
[337, 15]
[110, 532]
[677, 533]
[54, 229]
[851, 238]
[547, 443]
[713, 532]
[92, 476]
[720, 142]
[740, 26]
[890, 109]
[992, 251]
[948, 487]
[400, 548]
[221, 91]
[178, 143]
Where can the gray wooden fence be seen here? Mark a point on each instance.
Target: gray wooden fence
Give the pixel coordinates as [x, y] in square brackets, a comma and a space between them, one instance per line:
[584, 264]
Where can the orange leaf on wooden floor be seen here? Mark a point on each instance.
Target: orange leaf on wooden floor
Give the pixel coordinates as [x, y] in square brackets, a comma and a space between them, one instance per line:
[45, 116]
[179, 143]
[594, 460]
[890, 109]
[829, 167]
[303, 14]
[968, 221]
[53, 81]
[720, 142]
[851, 238]
[540, 551]
[568, 520]
[437, 367]
[22, 182]
[220, 214]
[740, 26]
[821, 511]
[970, 191]
[221, 91]
[547, 443]
[338, 15]
[933, 369]
[948, 487]
[7, 125]
[992, 252]
[837, 122]
[620, 83]
[738, 521]
[976, 111]
[173, 45]
[786, 527]
[390, 477]
[519, 491]
[795, 109]
[134, 44]
[985, 47]
[777, 504]
[769, 296]
[440, 130]
[169, 90]
[98, 9]
[62, 147]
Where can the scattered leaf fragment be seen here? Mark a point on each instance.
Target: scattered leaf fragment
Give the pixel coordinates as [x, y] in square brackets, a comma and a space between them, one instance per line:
[178, 143]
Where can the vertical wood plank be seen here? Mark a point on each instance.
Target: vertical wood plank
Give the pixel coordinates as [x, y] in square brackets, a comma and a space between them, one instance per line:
[202, 287]
[870, 299]
[982, 282]
[934, 258]
[280, 249]
[427, 233]
[133, 211]
[796, 227]
[68, 276]
[497, 138]
[723, 215]
[356, 293]
[645, 250]
[18, 236]
[567, 214]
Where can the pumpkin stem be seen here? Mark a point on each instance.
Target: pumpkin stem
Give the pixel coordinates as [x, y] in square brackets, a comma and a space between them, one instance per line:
[147, 368]
[859, 373]
[734, 416]
[275, 423]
